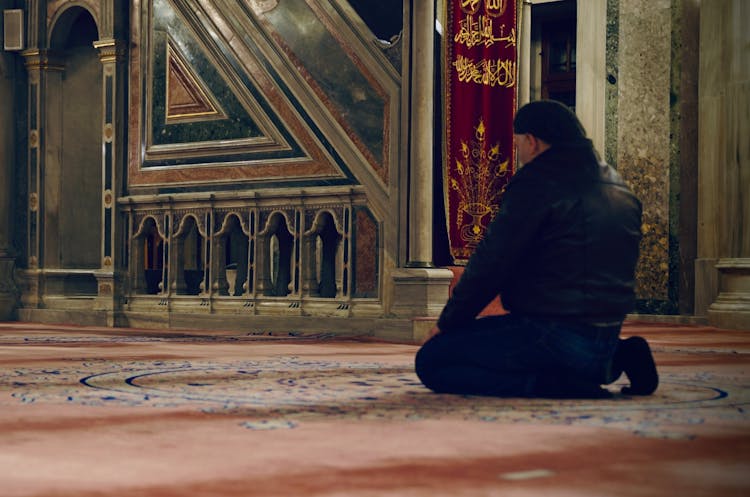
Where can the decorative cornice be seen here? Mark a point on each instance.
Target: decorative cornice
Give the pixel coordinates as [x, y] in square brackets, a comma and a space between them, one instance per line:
[42, 60]
[111, 50]
[734, 263]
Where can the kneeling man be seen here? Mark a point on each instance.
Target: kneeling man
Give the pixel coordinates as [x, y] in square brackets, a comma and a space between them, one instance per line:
[561, 253]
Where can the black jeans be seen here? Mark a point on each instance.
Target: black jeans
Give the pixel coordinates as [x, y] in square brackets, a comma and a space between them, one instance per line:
[512, 356]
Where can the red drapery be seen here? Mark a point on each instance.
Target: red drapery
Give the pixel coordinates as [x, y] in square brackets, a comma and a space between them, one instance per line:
[480, 95]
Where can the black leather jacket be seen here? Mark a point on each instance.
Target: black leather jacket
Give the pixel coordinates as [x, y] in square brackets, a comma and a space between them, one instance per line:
[563, 245]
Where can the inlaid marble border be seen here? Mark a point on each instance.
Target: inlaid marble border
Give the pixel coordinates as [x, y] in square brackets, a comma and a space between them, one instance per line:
[321, 161]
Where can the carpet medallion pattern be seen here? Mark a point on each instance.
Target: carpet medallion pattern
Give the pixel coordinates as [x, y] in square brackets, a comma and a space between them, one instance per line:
[100, 412]
[282, 392]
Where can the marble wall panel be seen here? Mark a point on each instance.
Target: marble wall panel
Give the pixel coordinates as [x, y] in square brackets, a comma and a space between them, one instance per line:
[643, 152]
[611, 91]
[337, 75]
[236, 123]
[266, 137]
[270, 133]
[365, 265]
[171, 32]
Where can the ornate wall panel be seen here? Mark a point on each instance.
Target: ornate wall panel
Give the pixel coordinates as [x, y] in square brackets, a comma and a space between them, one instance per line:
[325, 60]
[365, 257]
[221, 253]
[231, 93]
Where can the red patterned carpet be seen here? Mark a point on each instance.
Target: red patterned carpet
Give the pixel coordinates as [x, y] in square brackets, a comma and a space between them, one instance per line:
[122, 412]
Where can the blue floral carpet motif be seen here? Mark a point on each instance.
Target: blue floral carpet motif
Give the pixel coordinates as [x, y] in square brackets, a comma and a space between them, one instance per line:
[103, 412]
[284, 391]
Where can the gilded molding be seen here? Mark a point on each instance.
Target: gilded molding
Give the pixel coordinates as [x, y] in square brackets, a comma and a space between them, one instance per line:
[108, 199]
[33, 202]
[111, 50]
[42, 60]
[194, 94]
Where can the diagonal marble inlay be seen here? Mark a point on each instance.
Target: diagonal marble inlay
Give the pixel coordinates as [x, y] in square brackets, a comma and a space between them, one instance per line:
[187, 96]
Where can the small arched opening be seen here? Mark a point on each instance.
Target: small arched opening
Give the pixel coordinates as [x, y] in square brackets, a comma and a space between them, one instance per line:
[277, 248]
[323, 251]
[148, 254]
[189, 273]
[232, 252]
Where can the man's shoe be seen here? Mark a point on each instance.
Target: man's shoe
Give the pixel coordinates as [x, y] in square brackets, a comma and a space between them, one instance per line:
[634, 358]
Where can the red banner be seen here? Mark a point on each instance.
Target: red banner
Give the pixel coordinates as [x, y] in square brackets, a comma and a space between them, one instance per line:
[480, 96]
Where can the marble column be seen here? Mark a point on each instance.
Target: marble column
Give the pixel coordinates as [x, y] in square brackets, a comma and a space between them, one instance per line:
[38, 63]
[591, 70]
[723, 264]
[44, 71]
[112, 54]
[421, 131]
[8, 290]
[524, 53]
[420, 289]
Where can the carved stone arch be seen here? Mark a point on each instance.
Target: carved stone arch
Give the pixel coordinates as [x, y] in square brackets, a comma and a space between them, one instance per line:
[183, 222]
[230, 261]
[242, 220]
[323, 256]
[63, 14]
[273, 220]
[275, 255]
[188, 254]
[142, 225]
[319, 220]
[148, 251]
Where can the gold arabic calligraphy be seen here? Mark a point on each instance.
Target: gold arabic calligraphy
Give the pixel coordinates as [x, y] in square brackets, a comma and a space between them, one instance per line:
[486, 72]
[481, 32]
[494, 8]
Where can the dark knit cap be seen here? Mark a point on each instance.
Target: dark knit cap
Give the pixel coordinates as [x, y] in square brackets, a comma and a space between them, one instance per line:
[550, 121]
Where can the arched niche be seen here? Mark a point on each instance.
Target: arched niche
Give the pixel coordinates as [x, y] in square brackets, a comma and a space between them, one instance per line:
[231, 257]
[276, 247]
[72, 189]
[324, 257]
[188, 268]
[148, 247]
[64, 21]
